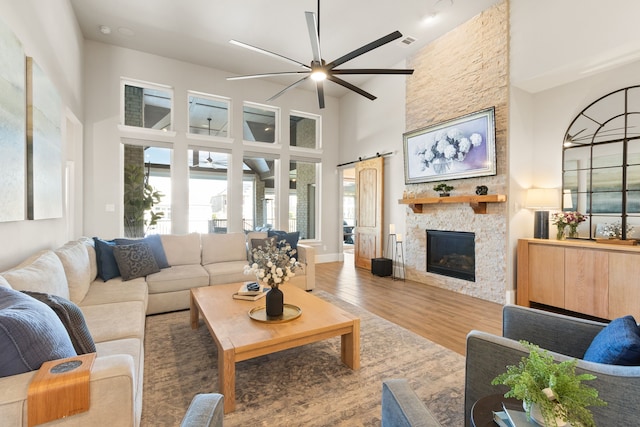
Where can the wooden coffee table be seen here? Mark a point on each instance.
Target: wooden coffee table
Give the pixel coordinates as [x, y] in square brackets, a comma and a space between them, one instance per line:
[238, 337]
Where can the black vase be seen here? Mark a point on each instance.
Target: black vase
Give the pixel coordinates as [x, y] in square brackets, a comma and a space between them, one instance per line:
[275, 302]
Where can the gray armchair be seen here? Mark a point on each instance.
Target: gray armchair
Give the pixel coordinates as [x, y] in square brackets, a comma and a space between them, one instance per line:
[206, 410]
[401, 407]
[565, 338]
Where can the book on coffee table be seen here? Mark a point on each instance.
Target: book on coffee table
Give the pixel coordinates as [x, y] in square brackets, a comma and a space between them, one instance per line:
[245, 294]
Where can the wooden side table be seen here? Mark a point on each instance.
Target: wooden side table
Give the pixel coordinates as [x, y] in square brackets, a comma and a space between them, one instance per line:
[482, 410]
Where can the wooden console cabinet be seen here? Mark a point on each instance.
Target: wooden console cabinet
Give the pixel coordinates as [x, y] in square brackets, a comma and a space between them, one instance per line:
[596, 279]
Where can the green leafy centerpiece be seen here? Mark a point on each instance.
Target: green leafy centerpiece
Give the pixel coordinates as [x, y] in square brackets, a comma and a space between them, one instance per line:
[553, 388]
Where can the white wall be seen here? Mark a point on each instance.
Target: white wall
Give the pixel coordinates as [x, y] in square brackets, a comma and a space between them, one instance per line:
[104, 67]
[50, 34]
[370, 127]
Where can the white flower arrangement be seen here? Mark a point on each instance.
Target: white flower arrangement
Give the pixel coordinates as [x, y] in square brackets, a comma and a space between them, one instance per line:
[273, 264]
[615, 230]
[446, 146]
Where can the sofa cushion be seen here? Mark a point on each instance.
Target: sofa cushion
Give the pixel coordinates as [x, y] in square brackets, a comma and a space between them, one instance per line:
[155, 243]
[181, 249]
[116, 290]
[617, 344]
[135, 260]
[90, 246]
[72, 319]
[42, 272]
[290, 238]
[77, 268]
[223, 247]
[30, 334]
[115, 321]
[227, 272]
[177, 278]
[107, 264]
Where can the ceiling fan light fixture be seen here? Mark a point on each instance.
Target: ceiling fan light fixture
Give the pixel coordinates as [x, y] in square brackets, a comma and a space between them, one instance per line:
[319, 75]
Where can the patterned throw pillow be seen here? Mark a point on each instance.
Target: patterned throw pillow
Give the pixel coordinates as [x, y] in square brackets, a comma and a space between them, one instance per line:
[72, 318]
[135, 260]
[155, 243]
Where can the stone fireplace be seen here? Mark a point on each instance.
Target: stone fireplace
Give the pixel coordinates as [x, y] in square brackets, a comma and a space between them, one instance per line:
[451, 253]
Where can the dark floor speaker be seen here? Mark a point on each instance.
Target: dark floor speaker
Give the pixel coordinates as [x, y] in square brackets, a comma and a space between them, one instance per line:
[381, 267]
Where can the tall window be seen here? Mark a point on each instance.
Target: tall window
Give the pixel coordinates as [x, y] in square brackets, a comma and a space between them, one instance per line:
[259, 124]
[208, 115]
[147, 190]
[147, 106]
[303, 130]
[207, 191]
[259, 192]
[302, 198]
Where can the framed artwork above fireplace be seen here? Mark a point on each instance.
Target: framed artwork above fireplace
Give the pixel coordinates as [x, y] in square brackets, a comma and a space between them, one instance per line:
[463, 147]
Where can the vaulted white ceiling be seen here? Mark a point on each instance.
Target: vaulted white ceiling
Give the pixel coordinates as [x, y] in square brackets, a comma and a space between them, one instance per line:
[198, 31]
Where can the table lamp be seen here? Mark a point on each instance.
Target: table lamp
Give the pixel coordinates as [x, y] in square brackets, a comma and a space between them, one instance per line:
[542, 199]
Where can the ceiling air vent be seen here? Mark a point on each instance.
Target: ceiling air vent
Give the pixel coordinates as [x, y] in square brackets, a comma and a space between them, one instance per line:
[407, 40]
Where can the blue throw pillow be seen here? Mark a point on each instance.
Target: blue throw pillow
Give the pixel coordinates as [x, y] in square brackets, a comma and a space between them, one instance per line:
[155, 243]
[107, 265]
[30, 334]
[617, 344]
[290, 238]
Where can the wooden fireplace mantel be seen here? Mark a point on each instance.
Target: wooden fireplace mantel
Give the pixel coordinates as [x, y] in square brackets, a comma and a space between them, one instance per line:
[477, 203]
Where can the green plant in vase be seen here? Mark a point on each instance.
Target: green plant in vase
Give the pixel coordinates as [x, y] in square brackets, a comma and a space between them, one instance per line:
[551, 387]
[443, 189]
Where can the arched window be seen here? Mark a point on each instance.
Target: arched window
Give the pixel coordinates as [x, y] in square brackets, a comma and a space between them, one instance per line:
[601, 166]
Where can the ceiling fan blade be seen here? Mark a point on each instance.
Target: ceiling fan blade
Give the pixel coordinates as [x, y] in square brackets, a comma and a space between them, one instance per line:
[351, 87]
[257, 76]
[312, 26]
[320, 90]
[372, 71]
[291, 86]
[366, 48]
[268, 53]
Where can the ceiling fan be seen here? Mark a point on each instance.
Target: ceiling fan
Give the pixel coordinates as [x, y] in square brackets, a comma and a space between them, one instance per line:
[319, 70]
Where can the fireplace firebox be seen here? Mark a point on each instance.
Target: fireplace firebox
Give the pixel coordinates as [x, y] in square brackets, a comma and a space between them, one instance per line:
[451, 253]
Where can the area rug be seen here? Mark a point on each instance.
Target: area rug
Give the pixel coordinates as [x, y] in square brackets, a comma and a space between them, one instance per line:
[304, 386]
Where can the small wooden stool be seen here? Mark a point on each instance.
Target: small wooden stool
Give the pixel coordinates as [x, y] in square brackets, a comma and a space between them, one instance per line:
[60, 388]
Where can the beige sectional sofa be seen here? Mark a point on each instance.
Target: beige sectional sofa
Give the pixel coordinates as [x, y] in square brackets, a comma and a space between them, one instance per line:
[211, 259]
[115, 311]
[115, 314]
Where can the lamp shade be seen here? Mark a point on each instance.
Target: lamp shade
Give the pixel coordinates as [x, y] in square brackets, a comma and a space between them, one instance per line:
[543, 198]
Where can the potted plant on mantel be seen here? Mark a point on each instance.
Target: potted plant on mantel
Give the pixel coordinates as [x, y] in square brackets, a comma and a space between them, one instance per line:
[443, 189]
[552, 393]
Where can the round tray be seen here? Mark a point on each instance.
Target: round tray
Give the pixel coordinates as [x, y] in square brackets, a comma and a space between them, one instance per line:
[289, 313]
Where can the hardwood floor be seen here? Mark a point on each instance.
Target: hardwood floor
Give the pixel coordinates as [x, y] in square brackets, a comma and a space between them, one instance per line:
[442, 316]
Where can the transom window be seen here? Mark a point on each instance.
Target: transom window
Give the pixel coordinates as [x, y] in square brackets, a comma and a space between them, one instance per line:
[146, 105]
[259, 123]
[208, 115]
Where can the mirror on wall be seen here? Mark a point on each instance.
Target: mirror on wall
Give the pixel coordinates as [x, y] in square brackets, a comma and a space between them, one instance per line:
[601, 166]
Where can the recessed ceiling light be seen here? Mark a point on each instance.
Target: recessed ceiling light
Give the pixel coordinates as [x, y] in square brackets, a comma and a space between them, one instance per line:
[430, 18]
[125, 31]
[104, 29]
